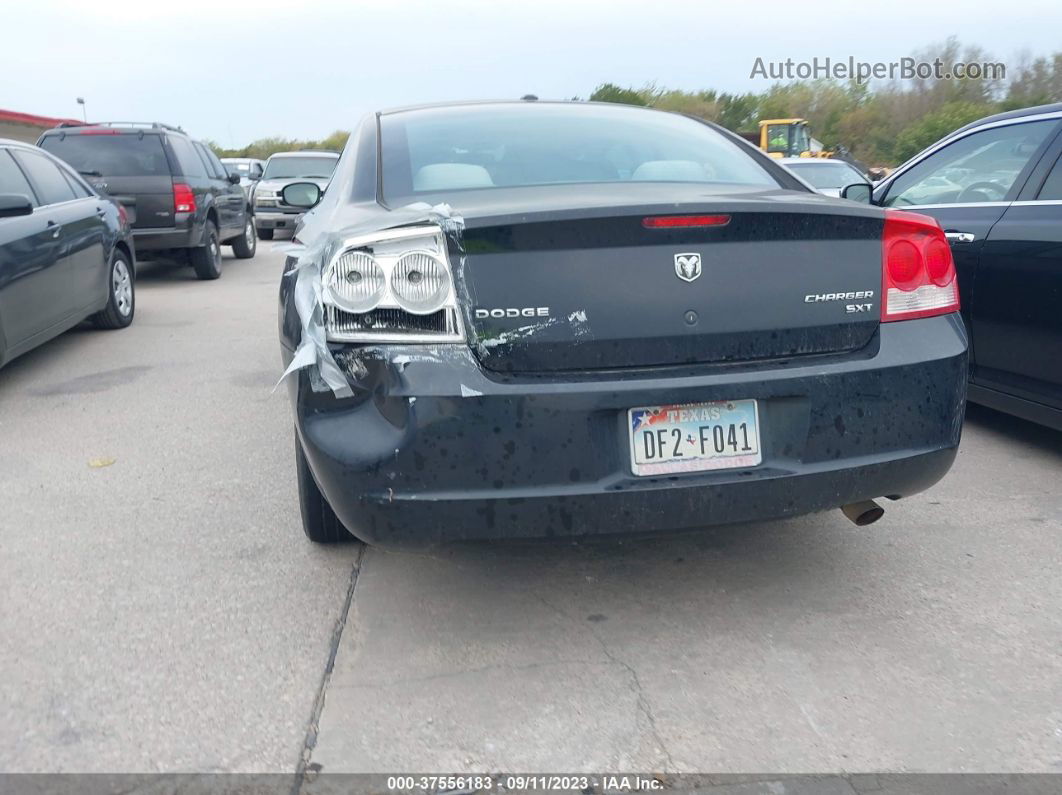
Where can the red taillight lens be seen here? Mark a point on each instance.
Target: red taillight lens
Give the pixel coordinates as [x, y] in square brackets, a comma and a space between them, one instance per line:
[684, 221]
[123, 215]
[939, 263]
[905, 263]
[918, 272]
[183, 198]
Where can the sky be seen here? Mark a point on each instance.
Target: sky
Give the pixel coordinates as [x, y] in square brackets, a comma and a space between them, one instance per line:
[236, 71]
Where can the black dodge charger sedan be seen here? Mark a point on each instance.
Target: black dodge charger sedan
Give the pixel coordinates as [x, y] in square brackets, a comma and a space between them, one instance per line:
[531, 318]
[66, 253]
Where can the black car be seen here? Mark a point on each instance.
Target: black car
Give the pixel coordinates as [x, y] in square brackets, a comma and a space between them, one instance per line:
[995, 186]
[180, 199]
[66, 253]
[626, 320]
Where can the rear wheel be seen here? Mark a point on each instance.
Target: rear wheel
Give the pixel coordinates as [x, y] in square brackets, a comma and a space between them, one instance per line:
[121, 301]
[245, 245]
[206, 260]
[265, 234]
[319, 521]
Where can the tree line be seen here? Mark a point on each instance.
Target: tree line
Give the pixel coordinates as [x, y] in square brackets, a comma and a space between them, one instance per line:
[264, 147]
[881, 124]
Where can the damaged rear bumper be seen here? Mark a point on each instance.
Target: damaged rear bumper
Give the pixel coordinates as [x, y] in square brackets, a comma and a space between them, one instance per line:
[432, 448]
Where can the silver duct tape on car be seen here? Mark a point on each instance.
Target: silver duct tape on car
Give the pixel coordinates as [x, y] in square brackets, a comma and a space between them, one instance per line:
[311, 298]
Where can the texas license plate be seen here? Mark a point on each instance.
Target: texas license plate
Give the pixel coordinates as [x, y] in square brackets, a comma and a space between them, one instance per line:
[694, 437]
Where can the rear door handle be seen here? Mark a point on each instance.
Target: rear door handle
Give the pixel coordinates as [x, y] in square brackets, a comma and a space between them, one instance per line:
[960, 237]
[56, 228]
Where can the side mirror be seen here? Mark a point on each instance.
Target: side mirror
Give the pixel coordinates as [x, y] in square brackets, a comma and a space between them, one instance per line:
[12, 204]
[234, 177]
[857, 192]
[302, 194]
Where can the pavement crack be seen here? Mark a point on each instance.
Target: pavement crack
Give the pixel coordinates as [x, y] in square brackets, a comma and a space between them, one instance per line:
[642, 701]
[416, 680]
[310, 742]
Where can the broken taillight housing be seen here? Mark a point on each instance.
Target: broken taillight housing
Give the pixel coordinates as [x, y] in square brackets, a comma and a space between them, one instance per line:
[918, 272]
[392, 286]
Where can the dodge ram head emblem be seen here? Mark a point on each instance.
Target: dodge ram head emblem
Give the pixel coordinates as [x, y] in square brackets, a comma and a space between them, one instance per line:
[688, 266]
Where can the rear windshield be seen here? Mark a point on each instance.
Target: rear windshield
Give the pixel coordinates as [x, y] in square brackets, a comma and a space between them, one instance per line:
[124, 155]
[237, 166]
[470, 147]
[307, 167]
[827, 175]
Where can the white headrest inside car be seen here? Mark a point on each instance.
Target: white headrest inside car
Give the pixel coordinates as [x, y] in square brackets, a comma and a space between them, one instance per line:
[447, 176]
[670, 171]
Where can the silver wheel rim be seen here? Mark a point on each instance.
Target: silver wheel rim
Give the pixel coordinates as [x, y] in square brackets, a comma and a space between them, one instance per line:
[215, 250]
[248, 234]
[122, 286]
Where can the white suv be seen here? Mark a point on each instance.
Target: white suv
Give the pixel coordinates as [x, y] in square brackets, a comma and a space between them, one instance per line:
[270, 211]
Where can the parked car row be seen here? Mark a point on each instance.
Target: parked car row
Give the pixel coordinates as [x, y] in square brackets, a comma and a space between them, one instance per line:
[77, 209]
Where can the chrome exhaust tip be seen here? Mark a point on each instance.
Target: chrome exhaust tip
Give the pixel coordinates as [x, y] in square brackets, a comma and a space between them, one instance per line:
[863, 513]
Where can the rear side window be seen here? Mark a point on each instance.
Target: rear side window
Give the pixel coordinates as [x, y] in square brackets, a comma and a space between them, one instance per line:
[215, 171]
[191, 164]
[79, 190]
[1052, 188]
[48, 180]
[121, 155]
[212, 159]
[12, 180]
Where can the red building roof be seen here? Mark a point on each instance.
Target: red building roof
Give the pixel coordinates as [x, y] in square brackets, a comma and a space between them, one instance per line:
[15, 117]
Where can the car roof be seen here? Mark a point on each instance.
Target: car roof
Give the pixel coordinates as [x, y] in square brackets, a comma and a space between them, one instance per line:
[116, 128]
[304, 152]
[13, 142]
[1036, 110]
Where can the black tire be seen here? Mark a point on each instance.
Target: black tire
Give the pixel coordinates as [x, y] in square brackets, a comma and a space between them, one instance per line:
[246, 244]
[265, 234]
[121, 292]
[206, 260]
[319, 521]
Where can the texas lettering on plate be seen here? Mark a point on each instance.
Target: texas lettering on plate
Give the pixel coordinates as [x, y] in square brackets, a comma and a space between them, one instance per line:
[694, 437]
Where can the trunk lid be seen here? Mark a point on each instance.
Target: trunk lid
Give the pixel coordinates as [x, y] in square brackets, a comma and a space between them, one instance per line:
[129, 166]
[147, 200]
[587, 287]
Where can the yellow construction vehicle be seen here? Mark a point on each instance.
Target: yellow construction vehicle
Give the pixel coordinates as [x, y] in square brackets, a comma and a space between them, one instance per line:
[788, 138]
[792, 138]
